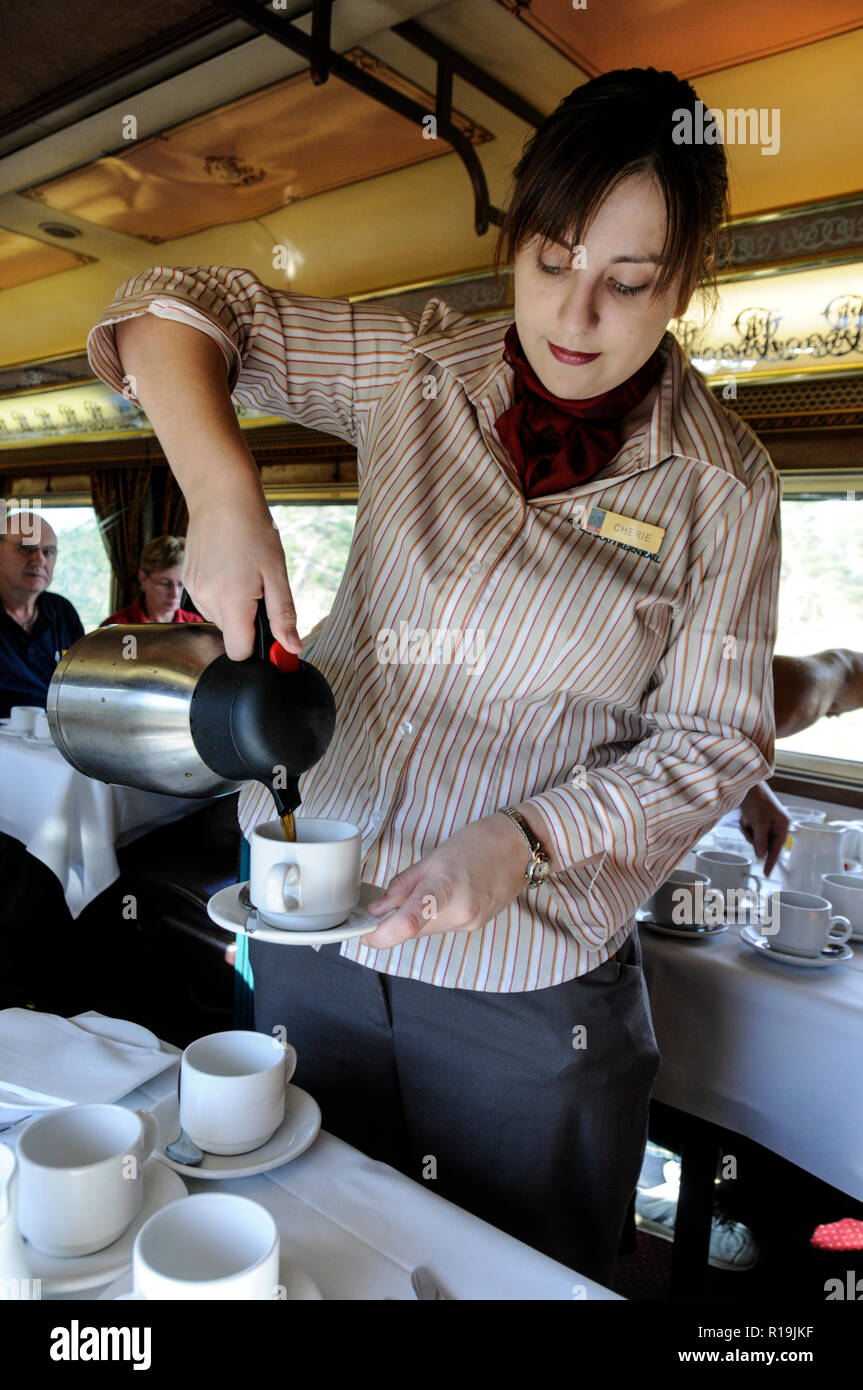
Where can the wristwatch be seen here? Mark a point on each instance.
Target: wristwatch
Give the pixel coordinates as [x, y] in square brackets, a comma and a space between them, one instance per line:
[538, 865]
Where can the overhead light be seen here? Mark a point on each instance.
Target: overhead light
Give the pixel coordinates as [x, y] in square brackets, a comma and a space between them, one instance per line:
[59, 229]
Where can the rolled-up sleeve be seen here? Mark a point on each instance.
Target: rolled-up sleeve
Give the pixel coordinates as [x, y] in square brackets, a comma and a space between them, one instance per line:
[618, 830]
[322, 363]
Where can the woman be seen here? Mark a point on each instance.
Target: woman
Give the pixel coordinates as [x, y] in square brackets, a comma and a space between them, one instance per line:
[160, 575]
[492, 1037]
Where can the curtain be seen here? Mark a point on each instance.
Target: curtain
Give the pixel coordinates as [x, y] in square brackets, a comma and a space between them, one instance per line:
[122, 504]
[170, 515]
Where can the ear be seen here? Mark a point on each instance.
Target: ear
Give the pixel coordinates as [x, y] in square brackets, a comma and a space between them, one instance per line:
[142, 575]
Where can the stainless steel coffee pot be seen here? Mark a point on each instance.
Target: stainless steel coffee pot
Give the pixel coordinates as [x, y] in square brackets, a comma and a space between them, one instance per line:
[160, 706]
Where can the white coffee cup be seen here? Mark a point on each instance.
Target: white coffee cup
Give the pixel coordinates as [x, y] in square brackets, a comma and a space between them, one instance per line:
[232, 1090]
[802, 923]
[309, 884]
[22, 718]
[731, 875]
[41, 727]
[679, 901]
[82, 1176]
[213, 1245]
[844, 892]
[798, 812]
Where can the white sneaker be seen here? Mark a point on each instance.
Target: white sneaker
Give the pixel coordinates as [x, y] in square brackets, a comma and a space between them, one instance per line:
[732, 1245]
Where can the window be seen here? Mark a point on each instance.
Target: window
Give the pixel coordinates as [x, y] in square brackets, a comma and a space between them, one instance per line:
[821, 602]
[316, 538]
[82, 573]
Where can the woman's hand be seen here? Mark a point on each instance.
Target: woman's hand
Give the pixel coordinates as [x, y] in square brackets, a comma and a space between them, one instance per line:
[765, 823]
[459, 886]
[233, 558]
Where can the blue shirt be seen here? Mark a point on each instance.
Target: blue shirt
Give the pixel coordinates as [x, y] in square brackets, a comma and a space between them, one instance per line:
[28, 659]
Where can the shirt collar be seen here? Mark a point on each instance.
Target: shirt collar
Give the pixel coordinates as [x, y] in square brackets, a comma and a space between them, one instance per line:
[471, 351]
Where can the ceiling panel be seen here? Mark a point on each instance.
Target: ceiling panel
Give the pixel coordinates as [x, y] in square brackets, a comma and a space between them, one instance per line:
[679, 36]
[292, 140]
[24, 258]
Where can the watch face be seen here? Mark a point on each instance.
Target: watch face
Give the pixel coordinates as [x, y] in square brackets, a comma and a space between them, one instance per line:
[540, 872]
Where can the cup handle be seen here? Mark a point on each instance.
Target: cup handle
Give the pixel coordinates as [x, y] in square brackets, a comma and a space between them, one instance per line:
[845, 930]
[291, 1057]
[151, 1133]
[279, 876]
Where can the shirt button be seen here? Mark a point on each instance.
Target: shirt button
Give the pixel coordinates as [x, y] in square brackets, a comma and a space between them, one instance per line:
[405, 728]
[476, 568]
[376, 817]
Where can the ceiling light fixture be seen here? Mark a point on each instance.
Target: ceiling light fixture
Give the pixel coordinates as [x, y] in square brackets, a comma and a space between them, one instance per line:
[59, 229]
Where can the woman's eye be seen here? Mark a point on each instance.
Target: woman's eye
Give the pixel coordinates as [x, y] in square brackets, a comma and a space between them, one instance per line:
[627, 289]
[550, 269]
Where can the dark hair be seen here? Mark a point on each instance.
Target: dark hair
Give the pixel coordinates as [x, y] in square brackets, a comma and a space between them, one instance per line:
[619, 124]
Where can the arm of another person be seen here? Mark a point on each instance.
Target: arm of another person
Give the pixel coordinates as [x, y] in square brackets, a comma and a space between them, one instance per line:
[809, 687]
[805, 689]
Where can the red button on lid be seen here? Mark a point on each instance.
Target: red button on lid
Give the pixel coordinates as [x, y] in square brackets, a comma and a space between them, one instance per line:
[283, 659]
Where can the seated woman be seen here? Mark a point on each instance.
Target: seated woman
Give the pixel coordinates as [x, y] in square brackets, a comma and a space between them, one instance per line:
[161, 578]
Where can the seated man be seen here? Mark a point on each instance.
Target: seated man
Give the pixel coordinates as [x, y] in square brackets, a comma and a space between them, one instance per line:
[35, 627]
[161, 578]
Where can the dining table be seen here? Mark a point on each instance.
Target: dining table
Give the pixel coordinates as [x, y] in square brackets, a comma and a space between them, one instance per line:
[755, 1046]
[357, 1228]
[71, 823]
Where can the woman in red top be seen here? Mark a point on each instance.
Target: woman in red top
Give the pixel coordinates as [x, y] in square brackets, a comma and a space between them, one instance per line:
[161, 578]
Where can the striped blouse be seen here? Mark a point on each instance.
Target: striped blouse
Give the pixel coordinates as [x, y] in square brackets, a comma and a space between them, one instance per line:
[485, 650]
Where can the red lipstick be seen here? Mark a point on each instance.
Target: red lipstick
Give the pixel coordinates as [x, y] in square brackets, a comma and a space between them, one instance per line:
[572, 359]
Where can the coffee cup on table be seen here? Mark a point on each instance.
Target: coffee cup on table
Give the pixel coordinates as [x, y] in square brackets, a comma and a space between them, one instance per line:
[679, 901]
[308, 884]
[210, 1246]
[731, 875]
[22, 718]
[802, 923]
[232, 1090]
[81, 1176]
[844, 892]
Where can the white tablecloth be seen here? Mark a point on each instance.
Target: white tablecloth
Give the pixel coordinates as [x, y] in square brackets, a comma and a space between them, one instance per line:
[358, 1228]
[71, 822]
[771, 1051]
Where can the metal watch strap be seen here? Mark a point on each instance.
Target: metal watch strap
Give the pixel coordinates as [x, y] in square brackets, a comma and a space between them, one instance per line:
[537, 869]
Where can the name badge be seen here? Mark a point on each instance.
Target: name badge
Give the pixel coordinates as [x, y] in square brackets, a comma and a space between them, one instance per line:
[624, 531]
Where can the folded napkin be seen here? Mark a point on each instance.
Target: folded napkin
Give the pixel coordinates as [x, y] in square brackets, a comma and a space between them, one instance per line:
[48, 1058]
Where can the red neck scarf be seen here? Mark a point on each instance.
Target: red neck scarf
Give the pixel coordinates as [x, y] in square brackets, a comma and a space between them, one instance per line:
[555, 443]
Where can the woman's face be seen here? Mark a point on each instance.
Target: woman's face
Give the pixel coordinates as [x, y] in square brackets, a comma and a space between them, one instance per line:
[605, 306]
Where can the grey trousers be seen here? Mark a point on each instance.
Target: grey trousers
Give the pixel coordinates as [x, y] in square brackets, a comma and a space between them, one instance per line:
[528, 1109]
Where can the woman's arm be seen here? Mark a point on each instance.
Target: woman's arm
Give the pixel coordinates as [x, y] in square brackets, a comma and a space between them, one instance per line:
[233, 552]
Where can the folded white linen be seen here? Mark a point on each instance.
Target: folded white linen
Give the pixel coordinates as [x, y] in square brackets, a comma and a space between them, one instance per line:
[75, 1061]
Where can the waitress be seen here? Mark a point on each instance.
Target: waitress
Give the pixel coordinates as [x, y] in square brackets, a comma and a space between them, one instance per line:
[564, 492]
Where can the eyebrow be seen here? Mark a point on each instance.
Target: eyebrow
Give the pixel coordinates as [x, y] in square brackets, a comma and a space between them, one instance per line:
[627, 259]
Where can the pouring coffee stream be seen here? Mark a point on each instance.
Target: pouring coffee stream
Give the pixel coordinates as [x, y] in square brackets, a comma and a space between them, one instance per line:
[161, 707]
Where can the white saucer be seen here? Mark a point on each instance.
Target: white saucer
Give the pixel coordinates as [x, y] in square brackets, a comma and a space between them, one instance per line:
[226, 909]
[831, 955]
[68, 1273]
[297, 1285]
[700, 932]
[299, 1129]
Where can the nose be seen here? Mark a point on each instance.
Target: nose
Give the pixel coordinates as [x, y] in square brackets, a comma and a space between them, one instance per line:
[578, 313]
